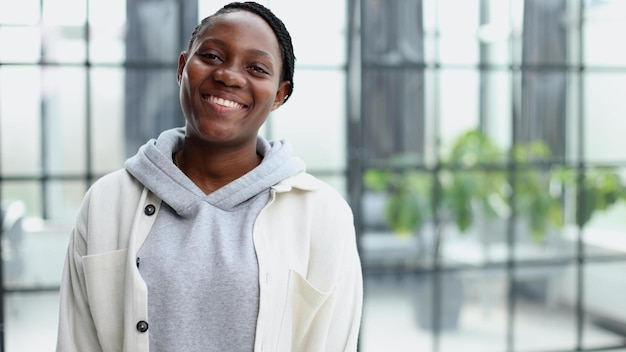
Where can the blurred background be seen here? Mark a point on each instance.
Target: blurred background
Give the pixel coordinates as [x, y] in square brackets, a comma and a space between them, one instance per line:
[480, 144]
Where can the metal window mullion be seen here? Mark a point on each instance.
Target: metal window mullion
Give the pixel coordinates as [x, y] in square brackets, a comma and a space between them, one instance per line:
[580, 203]
[89, 177]
[43, 130]
[2, 290]
[437, 193]
[354, 172]
[510, 264]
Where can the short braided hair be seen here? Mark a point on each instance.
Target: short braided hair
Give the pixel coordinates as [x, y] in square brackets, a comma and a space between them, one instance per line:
[278, 27]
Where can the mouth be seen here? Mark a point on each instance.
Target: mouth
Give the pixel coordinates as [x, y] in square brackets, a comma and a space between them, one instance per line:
[224, 102]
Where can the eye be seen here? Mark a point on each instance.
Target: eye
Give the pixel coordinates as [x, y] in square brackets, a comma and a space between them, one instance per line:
[210, 56]
[257, 69]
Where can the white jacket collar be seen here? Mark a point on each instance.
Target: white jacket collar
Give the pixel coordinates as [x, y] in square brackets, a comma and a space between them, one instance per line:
[302, 181]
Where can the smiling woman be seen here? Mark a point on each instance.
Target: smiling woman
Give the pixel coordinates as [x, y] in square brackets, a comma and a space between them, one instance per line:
[230, 79]
[213, 237]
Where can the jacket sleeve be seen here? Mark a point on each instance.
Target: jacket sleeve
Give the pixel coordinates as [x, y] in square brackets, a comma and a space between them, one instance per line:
[348, 296]
[76, 331]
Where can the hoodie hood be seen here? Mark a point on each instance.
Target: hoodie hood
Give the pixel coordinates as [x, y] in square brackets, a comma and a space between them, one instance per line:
[153, 167]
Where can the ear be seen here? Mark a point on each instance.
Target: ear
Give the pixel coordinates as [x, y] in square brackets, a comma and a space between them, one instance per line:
[284, 89]
[182, 60]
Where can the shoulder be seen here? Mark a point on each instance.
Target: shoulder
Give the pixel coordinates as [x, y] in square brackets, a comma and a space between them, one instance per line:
[116, 183]
[111, 190]
[106, 212]
[306, 190]
[308, 184]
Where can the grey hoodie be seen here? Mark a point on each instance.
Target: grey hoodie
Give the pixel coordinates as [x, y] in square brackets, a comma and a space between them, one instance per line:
[198, 260]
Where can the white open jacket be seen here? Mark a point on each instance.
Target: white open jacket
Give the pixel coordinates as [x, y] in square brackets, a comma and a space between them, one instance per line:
[309, 270]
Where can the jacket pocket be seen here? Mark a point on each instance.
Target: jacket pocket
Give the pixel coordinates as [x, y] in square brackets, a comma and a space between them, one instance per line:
[306, 316]
[105, 280]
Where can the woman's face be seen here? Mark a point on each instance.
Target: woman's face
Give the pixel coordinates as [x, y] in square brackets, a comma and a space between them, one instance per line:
[230, 80]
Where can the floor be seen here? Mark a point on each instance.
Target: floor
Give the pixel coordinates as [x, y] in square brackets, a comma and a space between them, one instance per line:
[390, 324]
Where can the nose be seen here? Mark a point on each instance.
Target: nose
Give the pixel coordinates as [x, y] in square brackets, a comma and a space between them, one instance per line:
[229, 76]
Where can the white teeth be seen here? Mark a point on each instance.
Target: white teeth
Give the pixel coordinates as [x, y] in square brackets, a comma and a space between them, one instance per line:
[224, 102]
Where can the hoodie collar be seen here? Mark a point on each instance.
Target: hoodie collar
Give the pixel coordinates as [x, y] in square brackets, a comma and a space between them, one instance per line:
[153, 167]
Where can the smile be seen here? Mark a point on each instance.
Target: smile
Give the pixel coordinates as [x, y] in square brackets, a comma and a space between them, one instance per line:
[225, 103]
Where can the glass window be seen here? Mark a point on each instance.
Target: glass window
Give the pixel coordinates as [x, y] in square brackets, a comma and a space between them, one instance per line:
[604, 307]
[29, 193]
[483, 117]
[528, 200]
[107, 29]
[25, 12]
[457, 23]
[538, 303]
[604, 21]
[64, 199]
[324, 46]
[20, 44]
[458, 103]
[604, 106]
[313, 119]
[64, 105]
[64, 44]
[107, 118]
[31, 312]
[64, 12]
[20, 109]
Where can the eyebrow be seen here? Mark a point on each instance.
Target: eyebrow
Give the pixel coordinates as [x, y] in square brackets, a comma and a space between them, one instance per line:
[255, 52]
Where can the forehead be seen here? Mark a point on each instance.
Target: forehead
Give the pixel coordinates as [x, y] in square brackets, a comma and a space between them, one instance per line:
[242, 28]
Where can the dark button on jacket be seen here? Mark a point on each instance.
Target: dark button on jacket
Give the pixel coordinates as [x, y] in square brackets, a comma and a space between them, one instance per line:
[149, 209]
[142, 326]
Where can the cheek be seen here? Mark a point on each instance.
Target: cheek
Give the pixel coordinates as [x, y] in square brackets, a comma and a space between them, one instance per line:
[269, 93]
[193, 73]
[185, 95]
[187, 84]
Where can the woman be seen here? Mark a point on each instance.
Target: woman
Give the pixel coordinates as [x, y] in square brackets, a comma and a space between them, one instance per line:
[213, 238]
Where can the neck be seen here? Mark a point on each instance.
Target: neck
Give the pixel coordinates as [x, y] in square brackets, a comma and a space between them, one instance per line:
[211, 170]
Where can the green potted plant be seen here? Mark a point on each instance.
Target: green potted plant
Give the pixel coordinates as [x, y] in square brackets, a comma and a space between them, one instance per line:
[600, 188]
[472, 183]
[410, 203]
[464, 184]
[475, 182]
